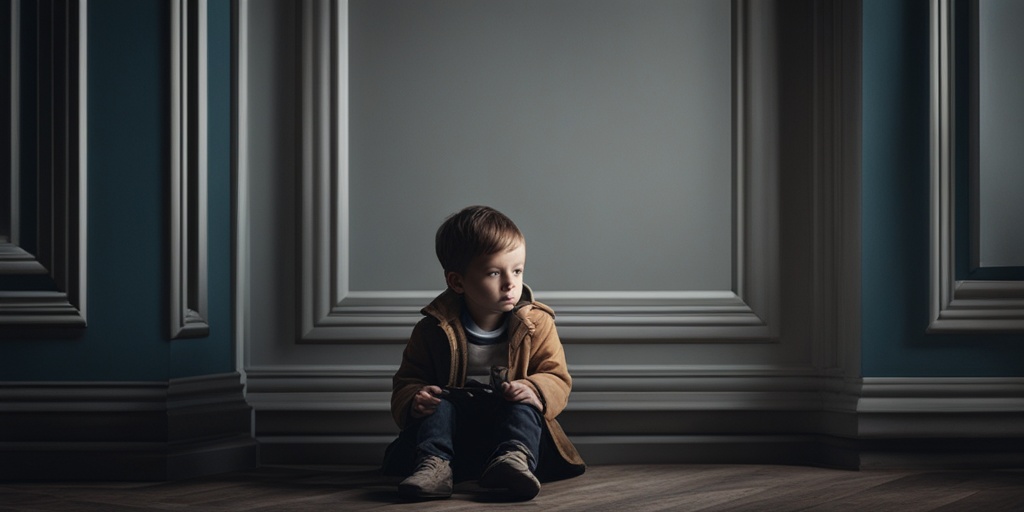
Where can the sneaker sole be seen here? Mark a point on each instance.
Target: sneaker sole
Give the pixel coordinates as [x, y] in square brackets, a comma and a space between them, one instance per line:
[415, 493]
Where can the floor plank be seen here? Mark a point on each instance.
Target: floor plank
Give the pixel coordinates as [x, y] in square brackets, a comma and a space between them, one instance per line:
[641, 488]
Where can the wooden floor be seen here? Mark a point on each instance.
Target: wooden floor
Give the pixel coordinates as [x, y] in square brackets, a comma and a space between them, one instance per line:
[613, 488]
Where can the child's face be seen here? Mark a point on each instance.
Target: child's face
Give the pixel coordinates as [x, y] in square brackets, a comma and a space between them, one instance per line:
[491, 285]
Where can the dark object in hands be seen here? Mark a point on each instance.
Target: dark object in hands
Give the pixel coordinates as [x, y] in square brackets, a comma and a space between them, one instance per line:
[499, 375]
[466, 393]
[475, 390]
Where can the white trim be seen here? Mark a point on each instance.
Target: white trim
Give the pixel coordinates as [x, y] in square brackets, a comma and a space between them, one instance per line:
[330, 313]
[240, 190]
[188, 167]
[81, 145]
[957, 306]
[62, 250]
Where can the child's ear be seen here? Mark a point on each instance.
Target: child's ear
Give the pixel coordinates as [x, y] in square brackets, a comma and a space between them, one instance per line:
[454, 280]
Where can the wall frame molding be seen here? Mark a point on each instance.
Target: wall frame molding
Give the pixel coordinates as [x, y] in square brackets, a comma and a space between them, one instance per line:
[240, 182]
[329, 312]
[60, 255]
[188, 170]
[957, 305]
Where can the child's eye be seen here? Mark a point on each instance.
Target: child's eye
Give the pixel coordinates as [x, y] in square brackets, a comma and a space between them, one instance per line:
[518, 271]
[493, 273]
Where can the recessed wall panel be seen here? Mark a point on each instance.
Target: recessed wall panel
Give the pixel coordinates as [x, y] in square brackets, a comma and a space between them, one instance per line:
[604, 129]
[1001, 133]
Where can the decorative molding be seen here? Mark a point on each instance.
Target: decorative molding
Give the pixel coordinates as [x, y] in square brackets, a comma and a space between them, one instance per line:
[966, 407]
[16, 260]
[117, 396]
[594, 386]
[293, 403]
[125, 430]
[240, 181]
[957, 305]
[329, 312]
[188, 170]
[61, 177]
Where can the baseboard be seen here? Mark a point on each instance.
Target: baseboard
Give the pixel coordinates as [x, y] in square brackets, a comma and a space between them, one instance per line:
[686, 417]
[946, 408]
[997, 453]
[124, 461]
[197, 426]
[361, 450]
[181, 428]
[801, 450]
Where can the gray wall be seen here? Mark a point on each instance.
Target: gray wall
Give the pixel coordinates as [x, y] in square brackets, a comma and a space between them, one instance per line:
[1000, 110]
[668, 204]
[709, 305]
[571, 117]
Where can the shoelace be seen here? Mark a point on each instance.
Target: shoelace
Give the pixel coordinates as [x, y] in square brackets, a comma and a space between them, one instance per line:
[430, 463]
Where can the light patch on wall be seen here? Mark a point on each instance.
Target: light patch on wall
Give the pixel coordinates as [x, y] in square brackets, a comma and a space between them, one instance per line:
[603, 128]
[1000, 133]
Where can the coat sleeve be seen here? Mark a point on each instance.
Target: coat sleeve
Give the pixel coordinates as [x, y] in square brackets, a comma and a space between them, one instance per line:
[418, 369]
[547, 370]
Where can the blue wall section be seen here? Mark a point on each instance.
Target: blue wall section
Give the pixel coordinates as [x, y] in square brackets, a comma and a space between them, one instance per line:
[895, 202]
[126, 339]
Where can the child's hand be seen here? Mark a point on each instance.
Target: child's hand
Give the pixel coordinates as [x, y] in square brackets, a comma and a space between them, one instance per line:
[520, 391]
[425, 401]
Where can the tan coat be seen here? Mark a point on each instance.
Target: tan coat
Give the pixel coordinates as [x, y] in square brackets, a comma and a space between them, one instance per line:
[436, 354]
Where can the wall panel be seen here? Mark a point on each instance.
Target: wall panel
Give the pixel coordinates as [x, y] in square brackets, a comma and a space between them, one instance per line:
[43, 244]
[958, 303]
[731, 169]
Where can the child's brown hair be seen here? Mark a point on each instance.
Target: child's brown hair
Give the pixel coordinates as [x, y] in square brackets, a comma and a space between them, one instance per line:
[474, 231]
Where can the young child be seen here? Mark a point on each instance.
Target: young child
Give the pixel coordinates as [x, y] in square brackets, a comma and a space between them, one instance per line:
[483, 375]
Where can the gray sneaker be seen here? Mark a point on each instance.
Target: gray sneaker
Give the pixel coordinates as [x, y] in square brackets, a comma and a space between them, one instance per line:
[432, 479]
[511, 471]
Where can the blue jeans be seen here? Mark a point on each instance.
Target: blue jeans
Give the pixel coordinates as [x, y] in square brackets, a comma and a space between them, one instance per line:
[468, 433]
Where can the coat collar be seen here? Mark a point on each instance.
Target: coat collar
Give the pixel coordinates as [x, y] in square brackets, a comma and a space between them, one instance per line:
[447, 307]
